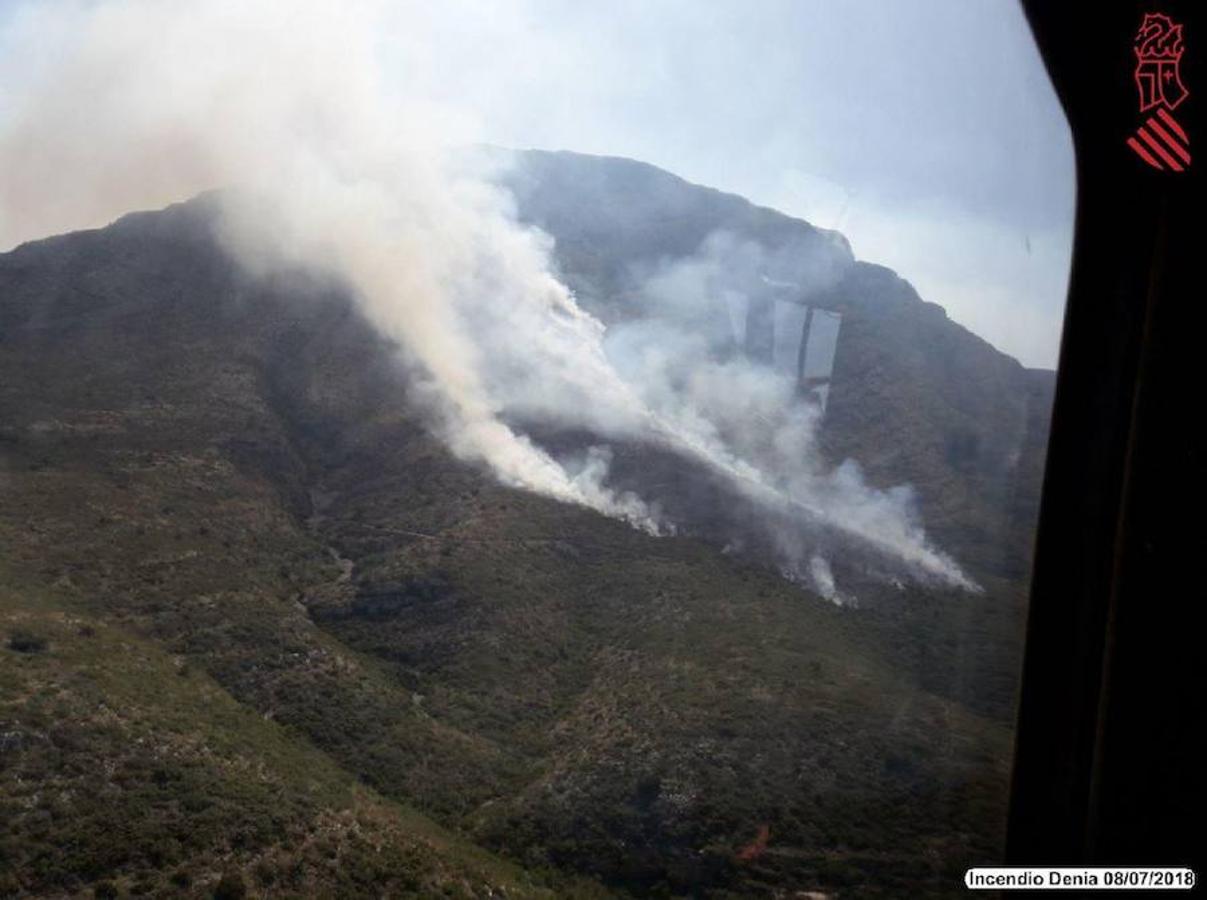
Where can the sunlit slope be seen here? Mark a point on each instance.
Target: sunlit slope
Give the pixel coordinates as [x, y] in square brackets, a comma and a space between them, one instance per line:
[126, 766]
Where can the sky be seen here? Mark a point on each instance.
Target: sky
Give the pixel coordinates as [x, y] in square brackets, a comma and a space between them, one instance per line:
[926, 131]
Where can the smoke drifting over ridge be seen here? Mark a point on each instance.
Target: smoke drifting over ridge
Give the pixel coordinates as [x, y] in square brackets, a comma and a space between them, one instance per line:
[747, 421]
[153, 103]
[134, 104]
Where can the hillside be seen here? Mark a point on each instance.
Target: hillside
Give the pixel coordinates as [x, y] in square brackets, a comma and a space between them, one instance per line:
[914, 397]
[968, 423]
[254, 609]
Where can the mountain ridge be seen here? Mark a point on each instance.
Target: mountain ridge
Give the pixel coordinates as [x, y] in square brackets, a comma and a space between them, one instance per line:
[230, 469]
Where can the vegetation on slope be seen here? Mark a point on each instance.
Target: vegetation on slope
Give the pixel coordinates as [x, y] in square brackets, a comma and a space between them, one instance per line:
[127, 770]
[217, 502]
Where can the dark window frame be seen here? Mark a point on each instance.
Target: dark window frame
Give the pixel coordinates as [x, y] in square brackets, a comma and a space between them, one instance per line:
[1109, 753]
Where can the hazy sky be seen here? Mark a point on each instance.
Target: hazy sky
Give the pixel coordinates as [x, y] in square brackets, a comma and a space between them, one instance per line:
[924, 130]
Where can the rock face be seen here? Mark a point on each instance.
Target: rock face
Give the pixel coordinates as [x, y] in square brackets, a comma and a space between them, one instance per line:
[917, 397]
[220, 484]
[913, 397]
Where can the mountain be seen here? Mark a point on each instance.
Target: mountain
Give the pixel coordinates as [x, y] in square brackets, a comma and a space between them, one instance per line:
[969, 423]
[914, 397]
[262, 629]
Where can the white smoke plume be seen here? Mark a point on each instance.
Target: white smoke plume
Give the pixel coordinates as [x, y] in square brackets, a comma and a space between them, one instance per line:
[147, 103]
[117, 105]
[747, 421]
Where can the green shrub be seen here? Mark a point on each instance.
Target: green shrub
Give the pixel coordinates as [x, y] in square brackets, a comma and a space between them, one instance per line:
[230, 887]
[181, 878]
[26, 641]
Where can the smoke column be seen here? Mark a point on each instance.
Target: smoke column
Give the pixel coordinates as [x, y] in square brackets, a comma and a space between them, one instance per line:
[132, 104]
[151, 103]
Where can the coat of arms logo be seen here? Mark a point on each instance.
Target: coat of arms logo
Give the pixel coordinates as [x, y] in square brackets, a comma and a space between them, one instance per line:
[1160, 141]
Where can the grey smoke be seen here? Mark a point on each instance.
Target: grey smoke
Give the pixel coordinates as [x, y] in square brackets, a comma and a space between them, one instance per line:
[749, 420]
[148, 103]
[823, 580]
[129, 104]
